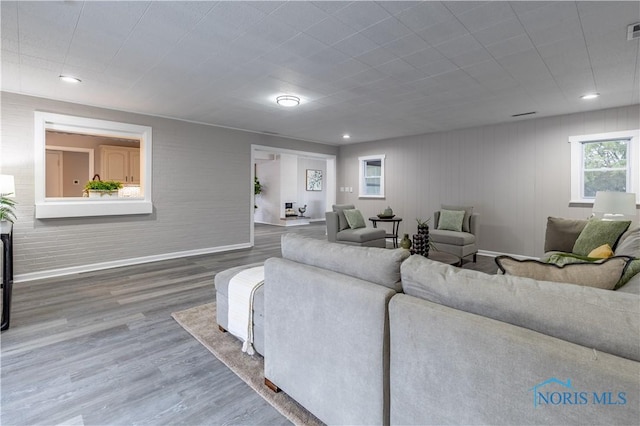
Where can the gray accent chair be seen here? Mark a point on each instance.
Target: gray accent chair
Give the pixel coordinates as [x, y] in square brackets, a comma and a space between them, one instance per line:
[338, 230]
[461, 244]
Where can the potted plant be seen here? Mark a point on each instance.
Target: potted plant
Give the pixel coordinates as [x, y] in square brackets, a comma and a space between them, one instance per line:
[7, 206]
[102, 188]
[257, 189]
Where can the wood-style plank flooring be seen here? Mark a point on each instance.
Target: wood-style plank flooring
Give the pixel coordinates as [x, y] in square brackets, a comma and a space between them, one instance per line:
[101, 348]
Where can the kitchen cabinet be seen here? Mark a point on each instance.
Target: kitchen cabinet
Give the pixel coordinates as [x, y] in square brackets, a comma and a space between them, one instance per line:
[120, 163]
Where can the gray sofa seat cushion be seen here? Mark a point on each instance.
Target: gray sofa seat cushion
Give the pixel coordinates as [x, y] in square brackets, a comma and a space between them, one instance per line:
[378, 265]
[361, 235]
[606, 320]
[452, 237]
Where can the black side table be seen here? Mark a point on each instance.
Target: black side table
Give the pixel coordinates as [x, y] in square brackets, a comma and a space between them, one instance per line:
[6, 234]
[395, 225]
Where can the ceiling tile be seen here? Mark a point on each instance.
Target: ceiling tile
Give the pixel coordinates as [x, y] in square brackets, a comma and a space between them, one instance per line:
[425, 14]
[499, 32]
[458, 46]
[486, 15]
[439, 67]
[442, 32]
[355, 45]
[304, 45]
[376, 57]
[510, 46]
[360, 15]
[330, 31]
[424, 57]
[299, 15]
[386, 31]
[471, 57]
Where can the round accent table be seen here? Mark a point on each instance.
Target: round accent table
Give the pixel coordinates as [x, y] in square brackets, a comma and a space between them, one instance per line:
[444, 257]
[395, 224]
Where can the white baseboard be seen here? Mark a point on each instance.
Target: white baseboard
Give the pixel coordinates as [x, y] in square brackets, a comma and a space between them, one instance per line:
[124, 262]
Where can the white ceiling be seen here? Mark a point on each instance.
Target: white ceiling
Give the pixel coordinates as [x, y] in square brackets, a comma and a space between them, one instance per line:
[374, 70]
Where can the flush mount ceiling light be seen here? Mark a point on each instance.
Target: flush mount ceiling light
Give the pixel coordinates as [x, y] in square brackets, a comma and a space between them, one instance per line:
[69, 79]
[288, 100]
[590, 96]
[346, 136]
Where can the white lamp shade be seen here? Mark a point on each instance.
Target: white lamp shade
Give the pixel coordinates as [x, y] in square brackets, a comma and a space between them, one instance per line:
[7, 186]
[615, 203]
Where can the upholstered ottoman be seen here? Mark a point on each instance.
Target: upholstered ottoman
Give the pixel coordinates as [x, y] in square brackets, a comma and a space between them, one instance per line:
[221, 281]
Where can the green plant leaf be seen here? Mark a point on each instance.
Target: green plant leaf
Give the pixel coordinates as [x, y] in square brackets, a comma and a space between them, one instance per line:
[102, 185]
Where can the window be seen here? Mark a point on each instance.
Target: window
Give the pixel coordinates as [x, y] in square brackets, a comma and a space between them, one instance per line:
[55, 197]
[604, 162]
[372, 176]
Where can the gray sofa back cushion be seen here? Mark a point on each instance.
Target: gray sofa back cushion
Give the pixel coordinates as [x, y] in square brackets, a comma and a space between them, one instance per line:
[561, 234]
[378, 265]
[606, 320]
[629, 244]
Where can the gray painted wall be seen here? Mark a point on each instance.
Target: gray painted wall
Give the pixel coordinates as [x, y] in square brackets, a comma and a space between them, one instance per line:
[515, 175]
[201, 191]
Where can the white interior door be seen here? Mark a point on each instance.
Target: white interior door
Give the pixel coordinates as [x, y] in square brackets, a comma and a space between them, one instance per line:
[53, 174]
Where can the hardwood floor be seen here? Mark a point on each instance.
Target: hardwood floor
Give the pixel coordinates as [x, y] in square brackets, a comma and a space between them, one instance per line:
[101, 348]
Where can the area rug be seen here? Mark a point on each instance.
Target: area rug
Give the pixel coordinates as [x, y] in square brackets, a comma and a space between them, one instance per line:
[200, 323]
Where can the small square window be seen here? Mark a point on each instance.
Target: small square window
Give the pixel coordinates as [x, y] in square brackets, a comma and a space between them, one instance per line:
[604, 162]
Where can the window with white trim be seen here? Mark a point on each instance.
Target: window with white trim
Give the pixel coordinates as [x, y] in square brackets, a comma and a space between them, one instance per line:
[371, 173]
[604, 162]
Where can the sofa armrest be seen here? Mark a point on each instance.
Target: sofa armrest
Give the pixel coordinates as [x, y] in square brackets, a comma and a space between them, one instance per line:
[474, 226]
[326, 341]
[333, 225]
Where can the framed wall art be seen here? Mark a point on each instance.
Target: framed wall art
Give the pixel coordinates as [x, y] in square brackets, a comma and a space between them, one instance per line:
[314, 180]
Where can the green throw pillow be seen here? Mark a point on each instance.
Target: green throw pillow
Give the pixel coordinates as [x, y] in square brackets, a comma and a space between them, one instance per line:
[633, 268]
[354, 218]
[599, 232]
[451, 220]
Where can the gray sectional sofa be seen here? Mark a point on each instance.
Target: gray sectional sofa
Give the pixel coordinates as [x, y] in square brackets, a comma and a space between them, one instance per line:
[362, 335]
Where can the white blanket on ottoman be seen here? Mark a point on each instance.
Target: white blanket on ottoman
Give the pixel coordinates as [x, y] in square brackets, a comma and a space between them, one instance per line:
[242, 288]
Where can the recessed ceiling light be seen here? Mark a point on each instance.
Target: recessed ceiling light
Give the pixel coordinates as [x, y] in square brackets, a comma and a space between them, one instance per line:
[288, 100]
[69, 79]
[345, 136]
[590, 96]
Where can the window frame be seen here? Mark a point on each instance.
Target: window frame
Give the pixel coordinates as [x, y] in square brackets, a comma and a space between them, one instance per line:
[577, 162]
[46, 208]
[362, 161]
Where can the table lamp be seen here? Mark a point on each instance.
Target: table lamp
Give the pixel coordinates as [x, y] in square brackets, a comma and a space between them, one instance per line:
[7, 186]
[611, 205]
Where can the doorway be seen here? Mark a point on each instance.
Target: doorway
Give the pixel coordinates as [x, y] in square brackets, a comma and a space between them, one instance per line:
[282, 174]
[67, 169]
